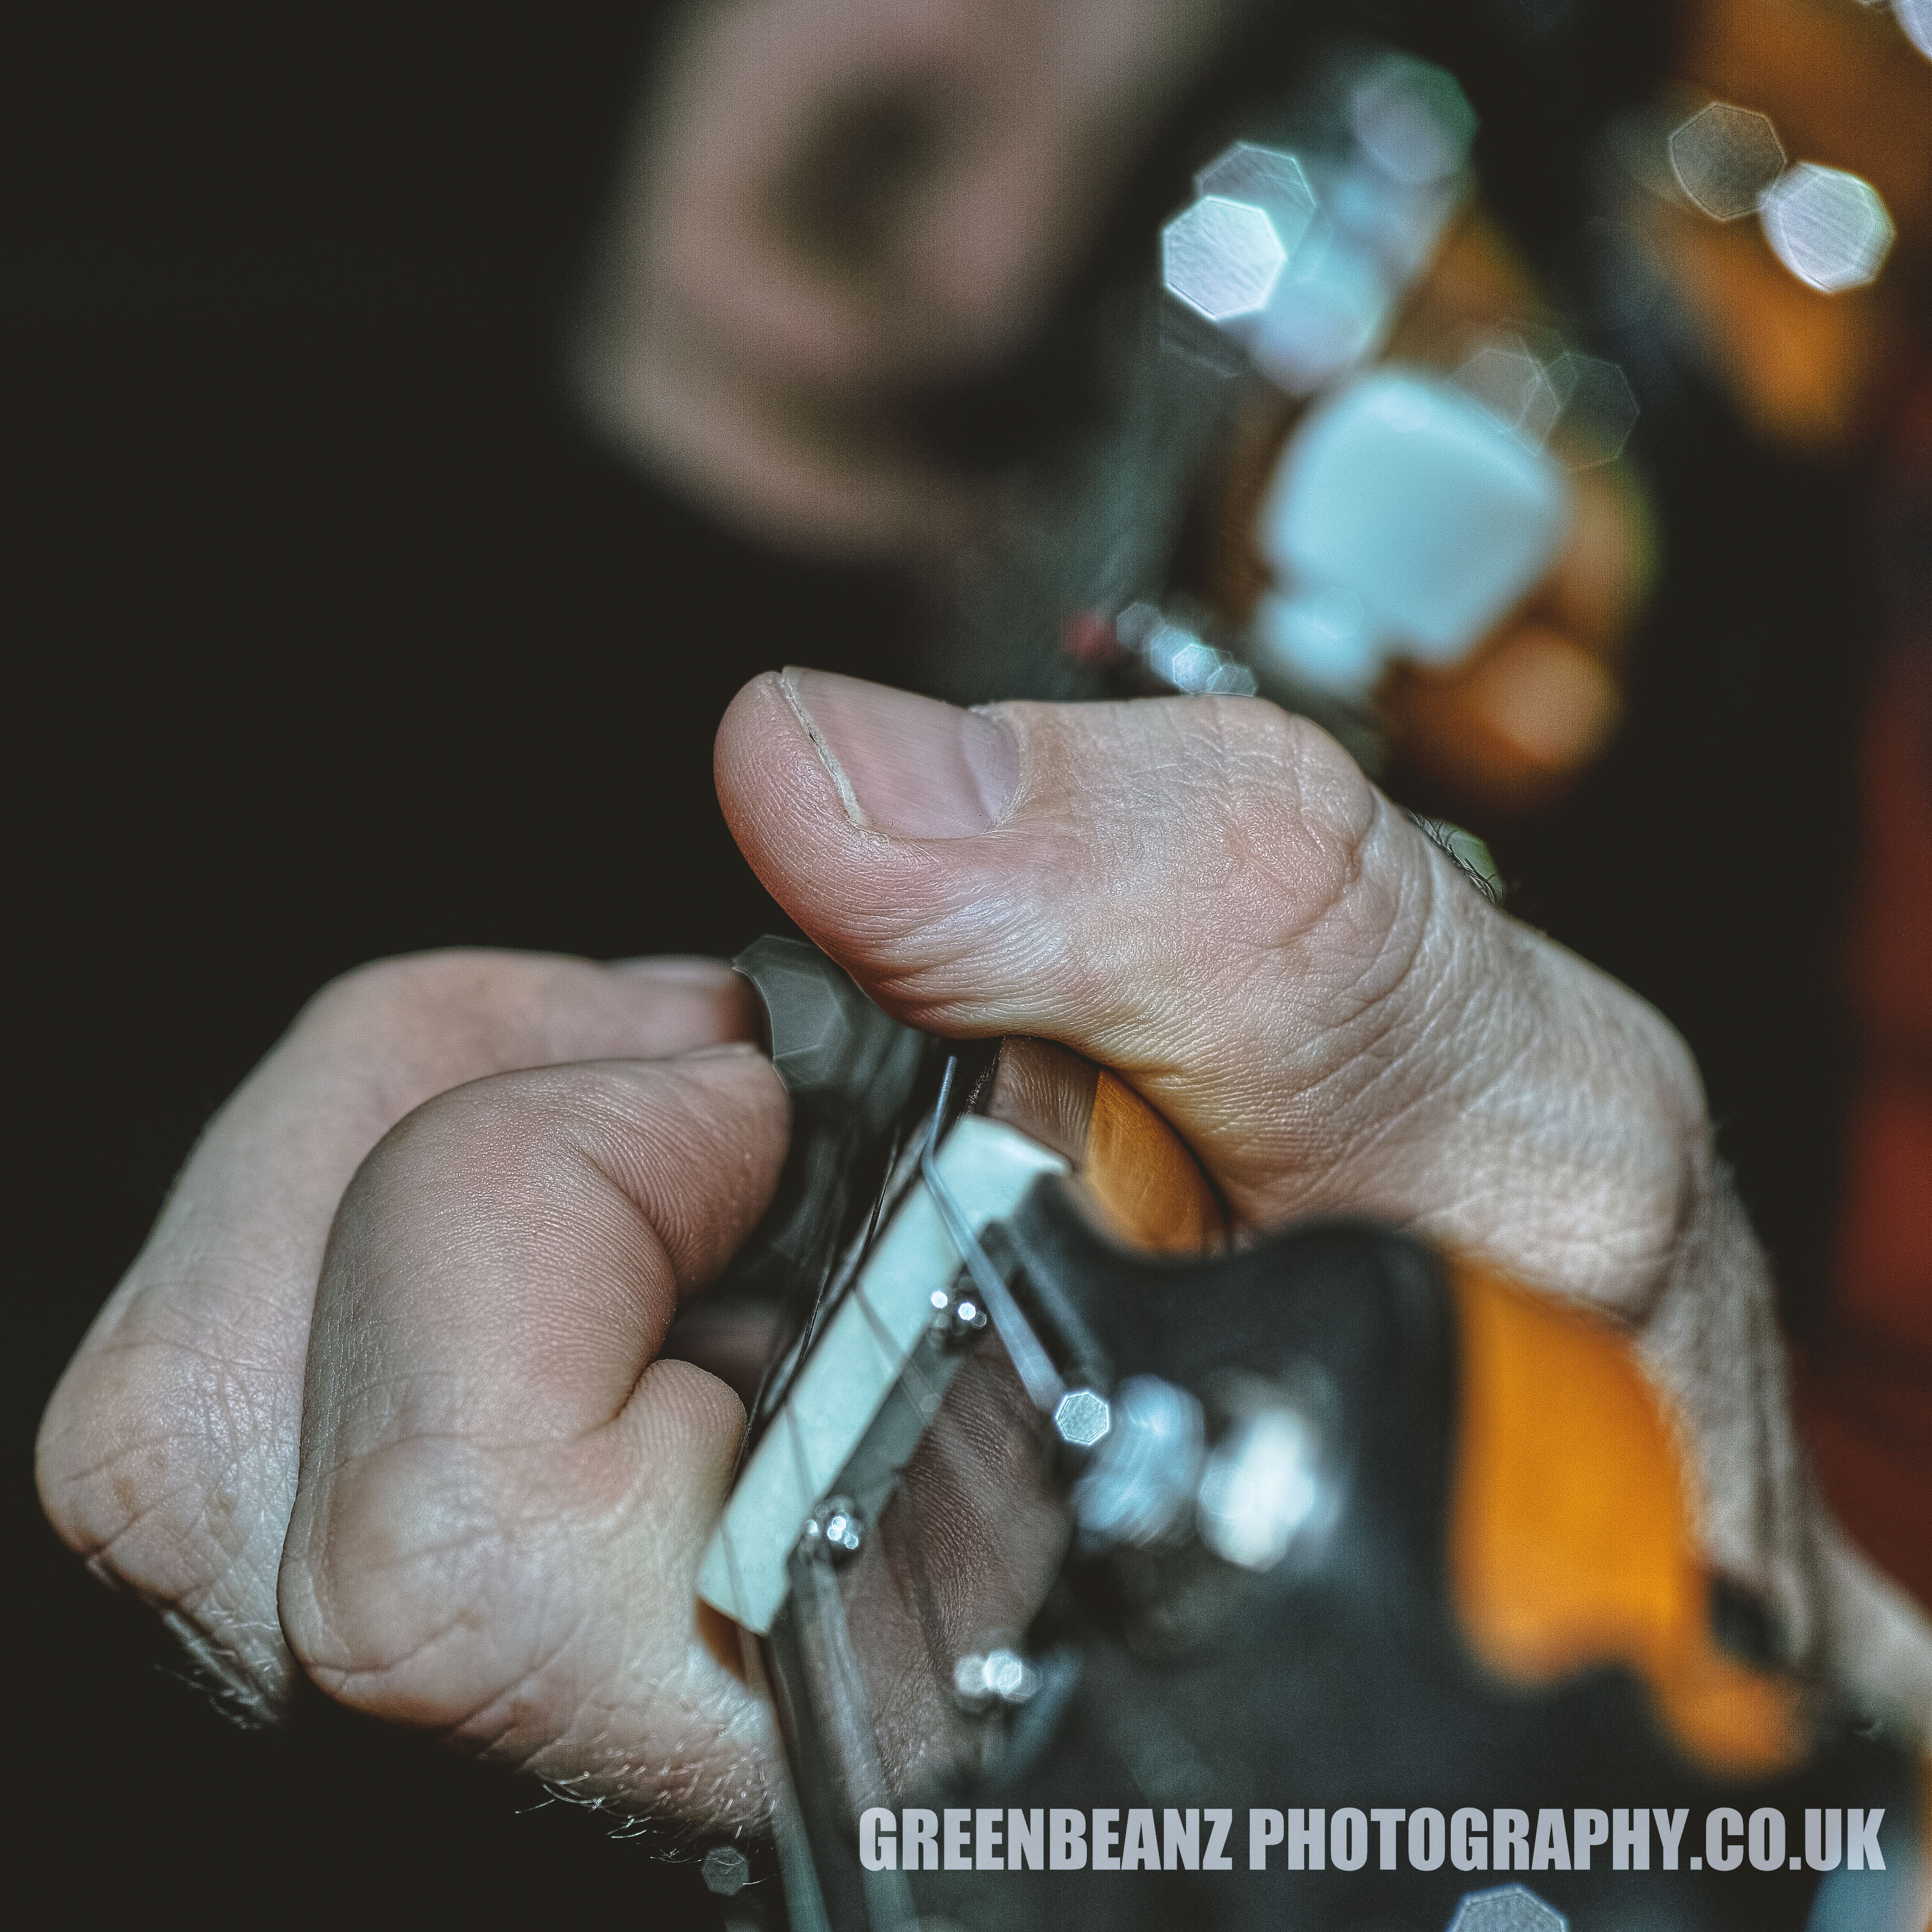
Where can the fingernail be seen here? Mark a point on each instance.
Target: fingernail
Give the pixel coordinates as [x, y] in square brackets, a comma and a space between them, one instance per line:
[904, 764]
[725, 1049]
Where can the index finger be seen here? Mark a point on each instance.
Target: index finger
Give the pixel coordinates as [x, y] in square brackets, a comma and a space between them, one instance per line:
[505, 1493]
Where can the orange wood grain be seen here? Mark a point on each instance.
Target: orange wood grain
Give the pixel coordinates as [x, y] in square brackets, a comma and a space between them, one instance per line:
[1149, 1190]
[1571, 1528]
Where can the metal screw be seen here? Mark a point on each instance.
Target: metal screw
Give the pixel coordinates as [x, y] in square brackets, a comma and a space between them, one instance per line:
[726, 1870]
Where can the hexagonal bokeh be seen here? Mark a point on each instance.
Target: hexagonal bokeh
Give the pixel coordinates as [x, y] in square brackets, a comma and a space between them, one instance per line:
[1268, 178]
[1414, 120]
[1829, 228]
[1599, 409]
[1223, 258]
[1331, 313]
[1179, 656]
[1083, 1418]
[1724, 157]
[1509, 1908]
[1514, 386]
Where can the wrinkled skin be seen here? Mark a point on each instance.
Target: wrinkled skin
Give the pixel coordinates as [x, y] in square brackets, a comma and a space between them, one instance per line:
[501, 1497]
[380, 1401]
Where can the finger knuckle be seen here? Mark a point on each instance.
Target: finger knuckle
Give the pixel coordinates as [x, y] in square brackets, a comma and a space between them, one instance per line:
[501, 1126]
[398, 995]
[383, 1592]
[149, 1464]
[1246, 830]
[1292, 804]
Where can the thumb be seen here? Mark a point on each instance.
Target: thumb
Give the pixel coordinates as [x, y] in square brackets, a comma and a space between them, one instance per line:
[1207, 896]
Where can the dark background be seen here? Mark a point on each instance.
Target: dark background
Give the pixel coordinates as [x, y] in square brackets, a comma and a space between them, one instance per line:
[336, 638]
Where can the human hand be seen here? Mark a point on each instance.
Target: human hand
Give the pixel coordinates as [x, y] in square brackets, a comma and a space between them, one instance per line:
[443, 1424]
[832, 208]
[426, 1455]
[1207, 896]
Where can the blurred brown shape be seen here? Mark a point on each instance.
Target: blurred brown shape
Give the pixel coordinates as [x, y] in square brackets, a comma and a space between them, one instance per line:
[1518, 723]
[831, 210]
[1513, 727]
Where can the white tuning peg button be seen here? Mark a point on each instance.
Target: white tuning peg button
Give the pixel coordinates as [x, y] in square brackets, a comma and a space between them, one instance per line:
[1404, 520]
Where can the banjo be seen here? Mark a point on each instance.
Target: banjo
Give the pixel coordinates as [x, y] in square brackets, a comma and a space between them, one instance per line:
[1104, 1568]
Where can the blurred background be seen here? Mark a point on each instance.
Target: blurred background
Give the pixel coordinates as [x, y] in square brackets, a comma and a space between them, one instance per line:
[423, 424]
